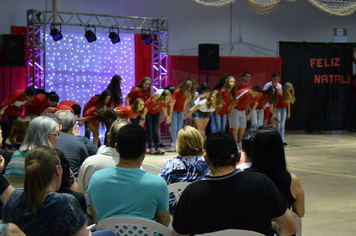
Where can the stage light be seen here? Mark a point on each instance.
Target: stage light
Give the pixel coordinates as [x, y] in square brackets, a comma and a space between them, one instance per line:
[114, 37]
[56, 33]
[90, 35]
[146, 37]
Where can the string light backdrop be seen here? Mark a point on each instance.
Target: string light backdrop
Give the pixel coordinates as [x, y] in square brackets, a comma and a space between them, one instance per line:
[77, 70]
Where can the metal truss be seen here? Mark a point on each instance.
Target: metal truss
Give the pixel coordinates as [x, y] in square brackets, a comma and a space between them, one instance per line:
[38, 19]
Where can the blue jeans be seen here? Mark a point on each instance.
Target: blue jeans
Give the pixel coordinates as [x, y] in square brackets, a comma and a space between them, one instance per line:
[281, 115]
[257, 117]
[152, 122]
[136, 120]
[177, 124]
[218, 123]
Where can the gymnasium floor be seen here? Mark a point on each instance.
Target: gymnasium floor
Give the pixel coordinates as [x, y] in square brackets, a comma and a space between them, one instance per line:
[326, 166]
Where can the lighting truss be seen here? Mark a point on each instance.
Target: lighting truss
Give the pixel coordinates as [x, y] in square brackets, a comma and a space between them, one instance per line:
[36, 26]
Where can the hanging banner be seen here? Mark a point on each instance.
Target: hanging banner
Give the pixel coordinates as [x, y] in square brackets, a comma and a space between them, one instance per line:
[321, 75]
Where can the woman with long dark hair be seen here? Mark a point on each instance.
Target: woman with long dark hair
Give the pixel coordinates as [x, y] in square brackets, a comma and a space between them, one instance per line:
[268, 157]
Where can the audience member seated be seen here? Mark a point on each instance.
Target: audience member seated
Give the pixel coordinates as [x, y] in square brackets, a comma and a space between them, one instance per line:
[38, 209]
[41, 131]
[5, 188]
[246, 148]
[107, 157]
[5, 155]
[268, 157]
[189, 165]
[72, 147]
[68, 184]
[231, 198]
[125, 189]
[17, 134]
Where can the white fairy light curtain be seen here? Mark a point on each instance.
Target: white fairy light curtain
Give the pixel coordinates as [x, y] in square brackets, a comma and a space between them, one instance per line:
[334, 7]
[77, 70]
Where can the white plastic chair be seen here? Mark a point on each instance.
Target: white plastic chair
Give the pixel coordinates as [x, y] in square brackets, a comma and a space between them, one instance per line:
[177, 189]
[152, 169]
[133, 226]
[299, 223]
[232, 232]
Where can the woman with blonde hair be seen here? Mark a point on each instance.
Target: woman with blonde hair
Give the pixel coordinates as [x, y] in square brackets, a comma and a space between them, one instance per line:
[151, 114]
[283, 112]
[32, 209]
[189, 165]
[204, 106]
[182, 95]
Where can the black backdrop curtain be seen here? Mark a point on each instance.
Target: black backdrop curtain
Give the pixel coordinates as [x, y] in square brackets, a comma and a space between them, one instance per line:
[321, 75]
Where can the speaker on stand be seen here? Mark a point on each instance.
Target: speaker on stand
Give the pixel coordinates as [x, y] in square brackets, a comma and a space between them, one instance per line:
[208, 58]
[12, 53]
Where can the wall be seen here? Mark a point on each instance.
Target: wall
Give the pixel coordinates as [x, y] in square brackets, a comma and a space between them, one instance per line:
[191, 23]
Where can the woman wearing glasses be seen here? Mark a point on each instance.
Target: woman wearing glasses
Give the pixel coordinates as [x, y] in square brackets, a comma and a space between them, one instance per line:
[42, 131]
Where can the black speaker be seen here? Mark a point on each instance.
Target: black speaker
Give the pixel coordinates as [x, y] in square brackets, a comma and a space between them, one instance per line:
[12, 50]
[208, 56]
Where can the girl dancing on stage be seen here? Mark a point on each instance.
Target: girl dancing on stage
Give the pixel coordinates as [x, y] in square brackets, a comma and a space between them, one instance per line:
[96, 101]
[94, 116]
[133, 111]
[285, 98]
[144, 91]
[153, 107]
[258, 107]
[184, 94]
[228, 94]
[204, 106]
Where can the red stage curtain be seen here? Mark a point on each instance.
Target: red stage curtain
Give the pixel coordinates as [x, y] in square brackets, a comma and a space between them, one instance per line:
[142, 59]
[261, 69]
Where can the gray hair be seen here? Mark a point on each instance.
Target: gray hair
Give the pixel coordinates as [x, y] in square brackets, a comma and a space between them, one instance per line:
[66, 118]
[38, 131]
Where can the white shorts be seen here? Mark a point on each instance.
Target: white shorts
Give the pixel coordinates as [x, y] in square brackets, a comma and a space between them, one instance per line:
[238, 119]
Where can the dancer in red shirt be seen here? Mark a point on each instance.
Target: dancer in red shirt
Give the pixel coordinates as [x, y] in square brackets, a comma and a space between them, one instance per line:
[228, 94]
[94, 116]
[184, 94]
[245, 83]
[144, 91]
[258, 105]
[285, 98]
[132, 111]
[238, 118]
[152, 112]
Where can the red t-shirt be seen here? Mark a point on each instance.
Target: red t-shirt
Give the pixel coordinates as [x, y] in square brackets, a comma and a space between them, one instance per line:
[241, 85]
[262, 100]
[69, 103]
[136, 92]
[227, 97]
[38, 104]
[153, 106]
[281, 104]
[89, 114]
[93, 102]
[62, 107]
[14, 103]
[126, 112]
[243, 98]
[180, 99]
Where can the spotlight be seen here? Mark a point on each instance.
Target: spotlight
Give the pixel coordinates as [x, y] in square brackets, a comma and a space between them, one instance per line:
[56, 33]
[114, 37]
[146, 37]
[90, 35]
